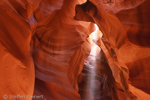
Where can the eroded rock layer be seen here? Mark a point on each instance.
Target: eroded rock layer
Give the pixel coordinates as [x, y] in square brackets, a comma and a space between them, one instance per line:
[45, 49]
[120, 50]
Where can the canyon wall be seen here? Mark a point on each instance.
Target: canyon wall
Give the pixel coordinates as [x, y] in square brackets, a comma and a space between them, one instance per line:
[45, 49]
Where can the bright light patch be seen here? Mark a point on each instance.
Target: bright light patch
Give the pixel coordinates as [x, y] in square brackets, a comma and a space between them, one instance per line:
[94, 37]
[91, 61]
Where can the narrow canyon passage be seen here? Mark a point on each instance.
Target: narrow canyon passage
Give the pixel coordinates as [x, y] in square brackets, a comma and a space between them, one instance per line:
[74, 50]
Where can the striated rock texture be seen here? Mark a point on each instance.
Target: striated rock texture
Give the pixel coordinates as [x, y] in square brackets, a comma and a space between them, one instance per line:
[45, 50]
[59, 48]
[16, 64]
[125, 56]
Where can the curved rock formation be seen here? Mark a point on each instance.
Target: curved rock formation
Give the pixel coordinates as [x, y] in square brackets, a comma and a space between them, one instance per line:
[16, 64]
[125, 50]
[45, 50]
[60, 46]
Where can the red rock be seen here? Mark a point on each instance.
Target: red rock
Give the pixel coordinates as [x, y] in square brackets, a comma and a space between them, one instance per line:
[45, 49]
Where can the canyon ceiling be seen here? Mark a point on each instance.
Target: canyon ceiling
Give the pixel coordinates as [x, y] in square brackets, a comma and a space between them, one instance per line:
[47, 46]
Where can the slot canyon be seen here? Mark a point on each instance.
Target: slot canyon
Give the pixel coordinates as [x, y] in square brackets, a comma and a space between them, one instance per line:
[74, 49]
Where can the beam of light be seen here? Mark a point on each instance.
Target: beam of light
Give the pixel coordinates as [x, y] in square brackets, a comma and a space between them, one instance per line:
[94, 37]
[91, 60]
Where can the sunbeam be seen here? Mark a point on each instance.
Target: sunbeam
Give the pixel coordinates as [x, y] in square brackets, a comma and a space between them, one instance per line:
[91, 64]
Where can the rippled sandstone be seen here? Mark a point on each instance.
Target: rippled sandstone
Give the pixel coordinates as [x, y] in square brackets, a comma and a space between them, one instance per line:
[45, 49]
